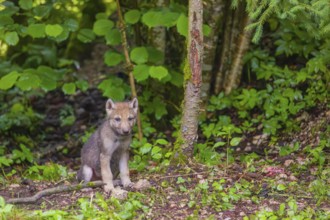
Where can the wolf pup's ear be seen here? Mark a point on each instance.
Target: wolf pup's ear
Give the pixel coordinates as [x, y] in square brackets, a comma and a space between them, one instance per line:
[110, 105]
[134, 104]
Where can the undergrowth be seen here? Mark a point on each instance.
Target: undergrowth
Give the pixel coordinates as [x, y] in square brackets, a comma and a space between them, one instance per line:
[291, 80]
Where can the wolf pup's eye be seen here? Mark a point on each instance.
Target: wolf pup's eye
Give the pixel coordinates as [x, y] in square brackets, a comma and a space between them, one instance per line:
[130, 118]
[117, 119]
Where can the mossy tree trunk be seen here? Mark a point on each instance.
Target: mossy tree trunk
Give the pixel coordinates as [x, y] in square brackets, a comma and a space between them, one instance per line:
[193, 79]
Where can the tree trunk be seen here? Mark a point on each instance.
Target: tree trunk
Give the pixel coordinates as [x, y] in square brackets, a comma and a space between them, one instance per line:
[213, 17]
[158, 39]
[193, 80]
[234, 42]
[233, 78]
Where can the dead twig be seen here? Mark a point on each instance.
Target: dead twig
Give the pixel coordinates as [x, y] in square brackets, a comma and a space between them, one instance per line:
[181, 175]
[58, 189]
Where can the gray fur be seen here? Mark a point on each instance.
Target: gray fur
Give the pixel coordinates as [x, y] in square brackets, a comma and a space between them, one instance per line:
[108, 146]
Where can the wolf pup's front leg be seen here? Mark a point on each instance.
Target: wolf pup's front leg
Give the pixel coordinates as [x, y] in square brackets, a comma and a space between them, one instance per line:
[106, 173]
[123, 169]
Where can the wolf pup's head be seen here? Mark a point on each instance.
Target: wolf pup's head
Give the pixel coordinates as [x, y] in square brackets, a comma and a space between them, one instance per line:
[122, 116]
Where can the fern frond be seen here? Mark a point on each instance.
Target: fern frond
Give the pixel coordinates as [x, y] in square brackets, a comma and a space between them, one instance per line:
[256, 13]
[257, 34]
[252, 26]
[325, 29]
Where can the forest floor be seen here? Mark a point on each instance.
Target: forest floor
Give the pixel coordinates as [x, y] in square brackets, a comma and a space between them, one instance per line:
[256, 187]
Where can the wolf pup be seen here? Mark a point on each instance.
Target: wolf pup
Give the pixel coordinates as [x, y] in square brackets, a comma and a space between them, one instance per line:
[106, 152]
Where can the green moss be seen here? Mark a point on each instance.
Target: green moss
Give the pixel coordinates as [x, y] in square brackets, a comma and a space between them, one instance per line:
[178, 156]
[186, 70]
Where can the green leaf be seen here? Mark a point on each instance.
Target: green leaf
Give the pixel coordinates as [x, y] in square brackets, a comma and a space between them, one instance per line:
[102, 27]
[86, 35]
[191, 203]
[162, 141]
[48, 78]
[101, 15]
[113, 88]
[42, 11]
[53, 30]
[155, 150]
[235, 141]
[2, 202]
[176, 78]
[17, 108]
[63, 36]
[112, 58]
[115, 93]
[159, 108]
[219, 144]
[7, 208]
[7, 81]
[6, 162]
[82, 85]
[302, 76]
[155, 56]
[139, 55]
[69, 88]
[160, 18]
[169, 18]
[71, 24]
[180, 180]
[132, 16]
[158, 72]
[157, 156]
[5, 20]
[113, 37]
[141, 72]
[182, 25]
[105, 84]
[11, 38]
[29, 80]
[25, 4]
[36, 30]
[281, 187]
[145, 148]
[151, 19]
[206, 30]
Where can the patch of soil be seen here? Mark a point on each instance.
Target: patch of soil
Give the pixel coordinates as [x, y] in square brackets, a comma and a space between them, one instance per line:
[167, 201]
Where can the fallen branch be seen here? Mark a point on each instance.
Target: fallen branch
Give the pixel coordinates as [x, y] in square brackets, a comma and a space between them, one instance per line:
[58, 189]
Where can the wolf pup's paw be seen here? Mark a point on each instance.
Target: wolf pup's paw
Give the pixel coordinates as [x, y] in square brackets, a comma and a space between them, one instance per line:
[128, 184]
[119, 193]
[108, 188]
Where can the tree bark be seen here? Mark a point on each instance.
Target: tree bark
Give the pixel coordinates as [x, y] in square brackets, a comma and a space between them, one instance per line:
[158, 34]
[224, 49]
[235, 72]
[235, 41]
[193, 79]
[213, 17]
